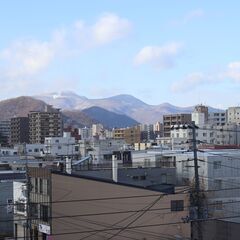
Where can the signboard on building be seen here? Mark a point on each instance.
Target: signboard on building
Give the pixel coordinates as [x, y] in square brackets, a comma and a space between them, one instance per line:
[9, 205]
[44, 229]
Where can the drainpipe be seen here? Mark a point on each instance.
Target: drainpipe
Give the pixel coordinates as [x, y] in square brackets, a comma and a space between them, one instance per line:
[114, 168]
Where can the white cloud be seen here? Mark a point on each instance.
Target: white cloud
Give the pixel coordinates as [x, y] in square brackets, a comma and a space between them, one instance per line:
[110, 27]
[197, 13]
[191, 81]
[26, 58]
[230, 73]
[22, 61]
[188, 17]
[233, 71]
[161, 57]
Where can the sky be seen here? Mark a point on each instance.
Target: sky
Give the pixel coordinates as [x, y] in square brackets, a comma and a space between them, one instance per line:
[183, 52]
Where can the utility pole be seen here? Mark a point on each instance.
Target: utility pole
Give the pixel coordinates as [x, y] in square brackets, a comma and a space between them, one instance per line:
[28, 207]
[28, 230]
[196, 199]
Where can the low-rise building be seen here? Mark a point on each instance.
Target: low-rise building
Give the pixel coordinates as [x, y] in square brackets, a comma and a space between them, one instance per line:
[217, 118]
[233, 115]
[6, 201]
[173, 119]
[61, 146]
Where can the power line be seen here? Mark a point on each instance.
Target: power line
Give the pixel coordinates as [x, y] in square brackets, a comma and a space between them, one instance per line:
[144, 209]
[100, 199]
[121, 212]
[133, 221]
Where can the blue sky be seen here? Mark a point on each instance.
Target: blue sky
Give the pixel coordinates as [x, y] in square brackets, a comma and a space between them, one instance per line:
[182, 52]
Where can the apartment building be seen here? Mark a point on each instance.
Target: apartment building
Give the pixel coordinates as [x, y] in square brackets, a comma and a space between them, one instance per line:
[219, 177]
[173, 119]
[131, 135]
[40, 207]
[19, 130]
[217, 118]
[202, 109]
[5, 132]
[228, 134]
[233, 115]
[45, 124]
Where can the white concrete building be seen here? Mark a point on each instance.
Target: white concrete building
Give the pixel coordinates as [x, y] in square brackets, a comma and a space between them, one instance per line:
[6, 151]
[152, 158]
[86, 133]
[35, 150]
[228, 134]
[198, 118]
[217, 118]
[61, 146]
[20, 208]
[97, 129]
[102, 150]
[219, 172]
[233, 115]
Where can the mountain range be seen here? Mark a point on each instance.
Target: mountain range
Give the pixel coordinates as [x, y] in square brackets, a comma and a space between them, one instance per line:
[121, 104]
[21, 106]
[113, 112]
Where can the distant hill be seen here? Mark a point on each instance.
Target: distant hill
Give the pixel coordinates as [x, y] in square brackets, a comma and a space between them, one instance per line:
[21, 106]
[77, 118]
[120, 104]
[109, 119]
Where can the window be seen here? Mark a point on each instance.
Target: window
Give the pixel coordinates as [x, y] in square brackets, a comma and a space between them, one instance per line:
[143, 177]
[40, 185]
[20, 206]
[36, 185]
[216, 164]
[34, 210]
[44, 213]
[177, 205]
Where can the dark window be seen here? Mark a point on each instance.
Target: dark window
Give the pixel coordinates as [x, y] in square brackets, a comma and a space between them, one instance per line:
[20, 206]
[143, 177]
[177, 205]
[44, 213]
[36, 185]
[34, 210]
[40, 185]
[135, 177]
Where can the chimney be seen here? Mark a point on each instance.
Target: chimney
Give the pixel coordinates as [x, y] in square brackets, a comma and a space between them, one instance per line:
[114, 168]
